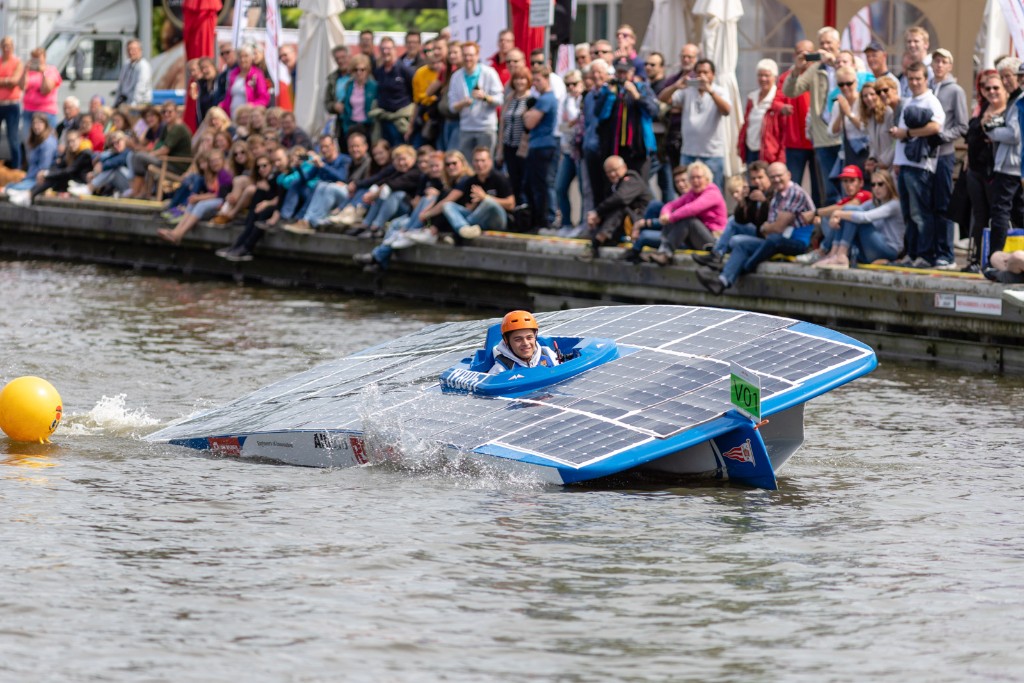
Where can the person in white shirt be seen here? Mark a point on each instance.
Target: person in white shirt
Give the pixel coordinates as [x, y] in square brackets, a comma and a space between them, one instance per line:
[704, 108]
[916, 159]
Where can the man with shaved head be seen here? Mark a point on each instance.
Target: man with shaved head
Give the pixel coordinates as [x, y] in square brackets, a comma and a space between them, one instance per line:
[628, 197]
[785, 232]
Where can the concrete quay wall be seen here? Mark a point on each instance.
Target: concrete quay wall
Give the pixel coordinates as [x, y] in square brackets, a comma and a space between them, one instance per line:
[962, 322]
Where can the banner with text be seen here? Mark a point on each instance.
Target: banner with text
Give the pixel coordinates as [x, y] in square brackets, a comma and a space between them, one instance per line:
[479, 21]
[1013, 12]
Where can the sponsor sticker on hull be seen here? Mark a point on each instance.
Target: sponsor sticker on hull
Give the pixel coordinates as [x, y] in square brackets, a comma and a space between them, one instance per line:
[225, 445]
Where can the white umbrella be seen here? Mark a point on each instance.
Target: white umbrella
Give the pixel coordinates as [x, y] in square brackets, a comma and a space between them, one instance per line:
[996, 40]
[668, 30]
[720, 44]
[320, 30]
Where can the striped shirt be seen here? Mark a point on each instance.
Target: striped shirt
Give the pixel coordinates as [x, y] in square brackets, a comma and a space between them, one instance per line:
[794, 200]
[513, 130]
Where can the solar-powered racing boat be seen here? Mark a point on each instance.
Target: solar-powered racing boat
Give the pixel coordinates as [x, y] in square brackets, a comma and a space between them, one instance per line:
[653, 391]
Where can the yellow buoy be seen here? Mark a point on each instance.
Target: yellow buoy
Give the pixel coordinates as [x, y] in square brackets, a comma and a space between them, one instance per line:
[30, 409]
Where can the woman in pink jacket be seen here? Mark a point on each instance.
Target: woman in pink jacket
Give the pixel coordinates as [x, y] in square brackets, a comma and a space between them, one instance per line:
[246, 84]
[691, 221]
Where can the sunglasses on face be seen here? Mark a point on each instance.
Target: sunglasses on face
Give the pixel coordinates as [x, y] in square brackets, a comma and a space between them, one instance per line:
[882, 91]
[451, 163]
[877, 184]
[845, 84]
[571, 83]
[225, 53]
[536, 63]
[992, 88]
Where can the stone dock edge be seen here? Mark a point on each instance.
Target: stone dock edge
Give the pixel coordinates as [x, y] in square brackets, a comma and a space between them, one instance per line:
[948, 319]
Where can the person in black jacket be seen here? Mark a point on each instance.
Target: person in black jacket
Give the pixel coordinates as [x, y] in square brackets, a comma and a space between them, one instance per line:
[752, 201]
[268, 197]
[74, 164]
[628, 197]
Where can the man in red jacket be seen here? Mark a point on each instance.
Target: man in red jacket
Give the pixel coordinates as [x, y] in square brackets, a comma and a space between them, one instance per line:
[792, 113]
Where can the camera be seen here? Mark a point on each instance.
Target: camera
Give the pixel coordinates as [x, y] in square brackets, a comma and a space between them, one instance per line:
[994, 122]
[813, 57]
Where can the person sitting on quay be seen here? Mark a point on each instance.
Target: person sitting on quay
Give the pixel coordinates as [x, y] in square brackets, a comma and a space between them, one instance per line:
[868, 232]
[112, 169]
[786, 232]
[393, 185]
[479, 202]
[175, 141]
[329, 166]
[1007, 267]
[363, 194]
[690, 221]
[291, 134]
[519, 346]
[266, 198]
[753, 199]
[854, 194]
[297, 192]
[330, 195]
[432, 184]
[421, 227]
[71, 166]
[203, 205]
[93, 132]
[41, 146]
[647, 230]
[241, 164]
[628, 199]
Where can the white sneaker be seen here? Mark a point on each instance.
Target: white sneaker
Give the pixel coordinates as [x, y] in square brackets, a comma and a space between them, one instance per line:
[78, 189]
[421, 237]
[346, 216]
[403, 241]
[19, 197]
[470, 232]
[809, 258]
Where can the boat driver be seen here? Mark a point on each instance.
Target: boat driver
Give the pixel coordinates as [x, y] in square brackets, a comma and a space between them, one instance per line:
[518, 345]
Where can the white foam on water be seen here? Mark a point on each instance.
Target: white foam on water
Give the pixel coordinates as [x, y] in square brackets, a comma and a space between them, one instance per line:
[110, 415]
[389, 444]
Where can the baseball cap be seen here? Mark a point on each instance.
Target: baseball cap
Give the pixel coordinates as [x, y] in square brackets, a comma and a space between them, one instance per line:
[943, 52]
[874, 46]
[852, 171]
[623, 64]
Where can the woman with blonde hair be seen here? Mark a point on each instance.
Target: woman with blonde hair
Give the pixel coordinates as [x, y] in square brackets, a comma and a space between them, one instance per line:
[358, 98]
[869, 232]
[876, 117]
[241, 164]
[202, 206]
[846, 120]
[216, 120]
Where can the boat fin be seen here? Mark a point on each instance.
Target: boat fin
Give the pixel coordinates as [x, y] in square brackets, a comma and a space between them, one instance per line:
[746, 460]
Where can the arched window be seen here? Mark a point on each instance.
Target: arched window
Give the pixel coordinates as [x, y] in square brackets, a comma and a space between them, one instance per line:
[768, 29]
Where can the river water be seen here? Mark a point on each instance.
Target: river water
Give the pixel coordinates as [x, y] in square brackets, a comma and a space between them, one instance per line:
[892, 551]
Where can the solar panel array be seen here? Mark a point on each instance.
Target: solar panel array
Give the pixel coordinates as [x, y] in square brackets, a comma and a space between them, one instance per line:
[676, 378]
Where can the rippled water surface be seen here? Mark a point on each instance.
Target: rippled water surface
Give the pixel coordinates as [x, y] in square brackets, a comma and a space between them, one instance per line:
[892, 552]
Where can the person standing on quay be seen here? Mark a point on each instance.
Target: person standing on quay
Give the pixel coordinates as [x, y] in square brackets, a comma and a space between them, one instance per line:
[11, 70]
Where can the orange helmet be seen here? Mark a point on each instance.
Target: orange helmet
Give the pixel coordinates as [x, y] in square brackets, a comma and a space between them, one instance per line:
[518, 320]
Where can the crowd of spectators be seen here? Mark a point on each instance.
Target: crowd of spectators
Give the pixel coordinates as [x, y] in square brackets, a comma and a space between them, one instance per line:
[436, 142]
